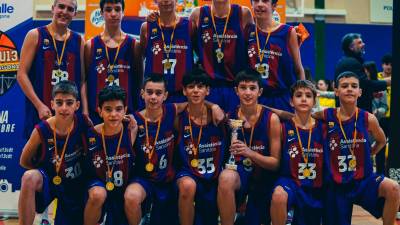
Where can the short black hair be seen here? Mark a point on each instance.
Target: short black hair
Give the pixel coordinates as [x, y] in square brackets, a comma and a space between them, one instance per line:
[303, 84]
[345, 74]
[196, 76]
[155, 78]
[370, 66]
[248, 75]
[110, 93]
[274, 1]
[387, 59]
[65, 87]
[103, 2]
[348, 39]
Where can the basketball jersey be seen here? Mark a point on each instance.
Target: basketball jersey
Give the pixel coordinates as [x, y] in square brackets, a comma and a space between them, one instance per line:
[259, 143]
[339, 154]
[43, 72]
[233, 45]
[121, 164]
[122, 74]
[293, 164]
[72, 164]
[278, 62]
[211, 147]
[163, 170]
[180, 57]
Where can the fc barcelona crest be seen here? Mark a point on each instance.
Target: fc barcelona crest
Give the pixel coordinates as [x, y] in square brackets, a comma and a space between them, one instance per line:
[92, 140]
[291, 132]
[99, 51]
[205, 20]
[331, 124]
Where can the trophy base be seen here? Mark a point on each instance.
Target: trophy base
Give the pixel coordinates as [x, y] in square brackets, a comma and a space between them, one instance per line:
[230, 166]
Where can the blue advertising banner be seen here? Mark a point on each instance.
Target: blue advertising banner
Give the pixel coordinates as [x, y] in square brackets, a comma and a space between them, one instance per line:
[15, 22]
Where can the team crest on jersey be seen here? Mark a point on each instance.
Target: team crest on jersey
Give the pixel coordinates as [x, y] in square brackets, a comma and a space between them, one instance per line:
[100, 68]
[99, 51]
[206, 20]
[293, 151]
[251, 52]
[46, 42]
[156, 49]
[332, 144]
[98, 161]
[92, 141]
[154, 31]
[331, 124]
[290, 132]
[50, 141]
[252, 34]
[206, 37]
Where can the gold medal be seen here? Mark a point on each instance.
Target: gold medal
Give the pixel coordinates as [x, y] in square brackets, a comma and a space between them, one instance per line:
[194, 163]
[110, 78]
[167, 65]
[353, 163]
[149, 167]
[110, 186]
[306, 172]
[220, 55]
[247, 162]
[57, 180]
[58, 73]
[261, 69]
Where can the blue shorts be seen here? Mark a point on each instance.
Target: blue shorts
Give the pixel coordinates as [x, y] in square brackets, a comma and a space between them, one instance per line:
[259, 200]
[306, 201]
[244, 175]
[281, 102]
[206, 210]
[225, 97]
[339, 200]
[113, 207]
[70, 204]
[161, 199]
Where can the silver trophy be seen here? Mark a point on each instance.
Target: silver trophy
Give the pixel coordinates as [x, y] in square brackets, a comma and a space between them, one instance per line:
[235, 125]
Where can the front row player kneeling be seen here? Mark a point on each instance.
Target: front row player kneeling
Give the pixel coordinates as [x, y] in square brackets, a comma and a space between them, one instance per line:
[54, 157]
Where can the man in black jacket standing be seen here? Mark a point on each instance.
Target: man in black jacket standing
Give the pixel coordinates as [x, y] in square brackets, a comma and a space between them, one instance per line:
[352, 60]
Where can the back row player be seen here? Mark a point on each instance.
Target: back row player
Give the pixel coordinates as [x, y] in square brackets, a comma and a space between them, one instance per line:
[221, 34]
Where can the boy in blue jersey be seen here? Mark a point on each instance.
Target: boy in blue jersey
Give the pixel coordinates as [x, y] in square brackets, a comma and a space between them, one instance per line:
[300, 184]
[50, 54]
[112, 58]
[220, 47]
[54, 157]
[350, 177]
[201, 149]
[110, 159]
[257, 155]
[273, 50]
[166, 45]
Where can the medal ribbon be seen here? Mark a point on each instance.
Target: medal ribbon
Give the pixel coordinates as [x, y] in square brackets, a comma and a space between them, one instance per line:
[240, 114]
[225, 26]
[354, 132]
[58, 163]
[305, 157]
[111, 66]
[59, 58]
[167, 50]
[109, 171]
[261, 52]
[153, 146]
[196, 145]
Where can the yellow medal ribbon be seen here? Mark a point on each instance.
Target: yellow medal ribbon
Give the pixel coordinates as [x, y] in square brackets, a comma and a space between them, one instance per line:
[353, 161]
[306, 171]
[59, 57]
[219, 51]
[110, 184]
[111, 66]
[247, 161]
[150, 166]
[168, 64]
[194, 162]
[261, 52]
[57, 179]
